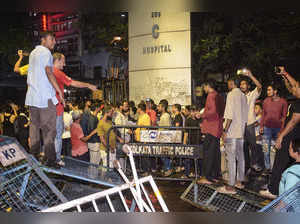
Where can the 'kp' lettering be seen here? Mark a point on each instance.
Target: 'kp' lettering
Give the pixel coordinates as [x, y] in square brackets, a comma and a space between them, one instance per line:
[9, 154]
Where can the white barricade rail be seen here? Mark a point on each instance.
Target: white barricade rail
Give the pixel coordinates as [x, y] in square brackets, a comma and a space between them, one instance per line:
[135, 195]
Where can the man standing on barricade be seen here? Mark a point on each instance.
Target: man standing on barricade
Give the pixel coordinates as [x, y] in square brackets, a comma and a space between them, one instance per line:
[273, 119]
[41, 99]
[250, 138]
[236, 115]
[212, 126]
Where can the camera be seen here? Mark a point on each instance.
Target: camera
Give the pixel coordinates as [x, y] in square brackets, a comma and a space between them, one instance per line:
[241, 71]
[277, 69]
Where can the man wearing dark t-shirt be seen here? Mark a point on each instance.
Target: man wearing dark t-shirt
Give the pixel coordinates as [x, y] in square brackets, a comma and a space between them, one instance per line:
[177, 122]
[191, 137]
[289, 133]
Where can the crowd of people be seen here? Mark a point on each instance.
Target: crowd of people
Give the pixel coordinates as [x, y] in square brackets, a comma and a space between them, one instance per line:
[247, 127]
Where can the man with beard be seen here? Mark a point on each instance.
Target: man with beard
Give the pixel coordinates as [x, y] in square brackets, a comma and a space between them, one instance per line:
[212, 128]
[103, 127]
[250, 138]
[122, 120]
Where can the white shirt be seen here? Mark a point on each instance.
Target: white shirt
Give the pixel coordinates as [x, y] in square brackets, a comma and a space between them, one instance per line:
[251, 99]
[40, 90]
[236, 109]
[67, 123]
[122, 120]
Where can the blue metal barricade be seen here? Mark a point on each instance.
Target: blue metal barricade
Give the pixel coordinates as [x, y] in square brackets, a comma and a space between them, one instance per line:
[23, 185]
[157, 142]
[289, 201]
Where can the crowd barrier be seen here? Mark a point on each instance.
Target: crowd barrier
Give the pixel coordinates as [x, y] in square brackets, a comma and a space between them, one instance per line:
[160, 142]
[289, 201]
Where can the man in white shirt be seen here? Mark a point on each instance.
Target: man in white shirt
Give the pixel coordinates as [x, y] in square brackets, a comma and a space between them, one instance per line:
[250, 138]
[236, 117]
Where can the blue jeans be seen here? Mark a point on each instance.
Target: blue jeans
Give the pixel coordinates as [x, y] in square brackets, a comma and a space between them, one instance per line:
[58, 138]
[269, 135]
[167, 163]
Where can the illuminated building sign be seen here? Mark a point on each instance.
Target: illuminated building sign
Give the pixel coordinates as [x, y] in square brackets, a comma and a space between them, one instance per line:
[44, 22]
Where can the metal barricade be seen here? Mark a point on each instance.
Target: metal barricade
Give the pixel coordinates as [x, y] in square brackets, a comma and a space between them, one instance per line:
[208, 198]
[157, 142]
[289, 201]
[23, 185]
[88, 172]
[133, 195]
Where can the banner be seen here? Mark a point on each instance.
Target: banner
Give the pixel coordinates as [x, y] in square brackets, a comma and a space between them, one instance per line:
[178, 151]
[161, 136]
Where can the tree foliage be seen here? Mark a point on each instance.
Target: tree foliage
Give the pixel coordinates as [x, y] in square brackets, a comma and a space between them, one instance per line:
[257, 40]
[98, 30]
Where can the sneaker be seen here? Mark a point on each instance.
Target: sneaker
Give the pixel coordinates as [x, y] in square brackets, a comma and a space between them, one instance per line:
[178, 169]
[167, 173]
[192, 174]
[61, 163]
[267, 194]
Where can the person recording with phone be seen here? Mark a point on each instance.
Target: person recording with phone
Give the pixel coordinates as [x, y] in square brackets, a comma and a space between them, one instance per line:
[22, 70]
[250, 138]
[289, 133]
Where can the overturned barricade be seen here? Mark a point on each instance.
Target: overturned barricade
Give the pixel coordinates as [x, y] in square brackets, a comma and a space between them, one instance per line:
[24, 187]
[133, 195]
[208, 198]
[289, 201]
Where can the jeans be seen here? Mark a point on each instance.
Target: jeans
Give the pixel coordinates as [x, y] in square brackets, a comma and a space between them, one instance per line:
[269, 135]
[58, 138]
[235, 157]
[167, 163]
[66, 147]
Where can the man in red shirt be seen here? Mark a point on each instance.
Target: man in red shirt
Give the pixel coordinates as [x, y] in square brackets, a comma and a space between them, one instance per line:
[62, 80]
[150, 111]
[212, 126]
[273, 119]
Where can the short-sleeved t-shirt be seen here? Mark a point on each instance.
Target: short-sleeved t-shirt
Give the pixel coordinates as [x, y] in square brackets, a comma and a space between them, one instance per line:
[78, 147]
[24, 70]
[294, 108]
[178, 119]
[102, 130]
[62, 79]
[194, 135]
[144, 120]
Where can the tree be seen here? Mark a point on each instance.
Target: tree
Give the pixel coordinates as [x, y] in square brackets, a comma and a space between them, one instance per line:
[98, 30]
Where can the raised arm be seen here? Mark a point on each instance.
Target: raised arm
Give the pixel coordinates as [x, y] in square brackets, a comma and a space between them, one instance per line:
[256, 82]
[18, 63]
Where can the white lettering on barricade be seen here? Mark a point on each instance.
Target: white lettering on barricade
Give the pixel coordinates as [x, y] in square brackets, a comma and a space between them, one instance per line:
[162, 151]
[10, 154]
[161, 136]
